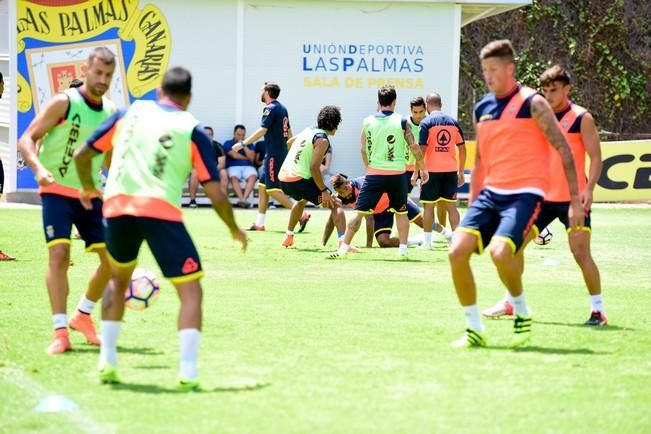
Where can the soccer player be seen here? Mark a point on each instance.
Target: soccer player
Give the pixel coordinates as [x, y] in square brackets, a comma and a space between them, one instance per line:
[441, 136]
[63, 125]
[276, 131]
[384, 138]
[515, 126]
[347, 191]
[3, 255]
[155, 146]
[581, 134]
[418, 113]
[300, 173]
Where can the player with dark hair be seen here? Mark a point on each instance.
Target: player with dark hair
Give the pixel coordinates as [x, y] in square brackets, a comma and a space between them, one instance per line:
[300, 175]
[384, 139]
[418, 111]
[64, 124]
[578, 127]
[515, 126]
[155, 145]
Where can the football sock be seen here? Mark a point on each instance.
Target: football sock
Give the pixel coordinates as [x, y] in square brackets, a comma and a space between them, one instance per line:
[508, 297]
[472, 317]
[520, 305]
[60, 321]
[189, 340]
[598, 303]
[446, 232]
[85, 305]
[108, 350]
[289, 233]
[260, 220]
[427, 238]
[402, 249]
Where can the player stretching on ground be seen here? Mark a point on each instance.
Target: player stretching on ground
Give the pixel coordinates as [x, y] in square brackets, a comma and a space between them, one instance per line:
[155, 146]
[276, 131]
[64, 125]
[300, 173]
[384, 138]
[515, 126]
[580, 132]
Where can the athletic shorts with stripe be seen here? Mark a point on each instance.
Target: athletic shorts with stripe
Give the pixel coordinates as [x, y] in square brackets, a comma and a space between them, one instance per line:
[61, 212]
[383, 222]
[442, 186]
[303, 189]
[505, 216]
[272, 165]
[375, 186]
[551, 211]
[169, 242]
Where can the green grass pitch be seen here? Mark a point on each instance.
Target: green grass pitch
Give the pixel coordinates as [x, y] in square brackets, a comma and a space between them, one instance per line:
[293, 343]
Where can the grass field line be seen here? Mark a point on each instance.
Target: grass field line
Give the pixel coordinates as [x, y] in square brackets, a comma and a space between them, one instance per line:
[36, 391]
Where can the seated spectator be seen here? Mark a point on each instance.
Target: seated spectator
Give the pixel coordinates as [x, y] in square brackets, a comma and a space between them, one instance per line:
[239, 165]
[221, 165]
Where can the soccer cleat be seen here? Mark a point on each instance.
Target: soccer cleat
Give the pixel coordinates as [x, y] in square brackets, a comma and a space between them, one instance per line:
[60, 343]
[403, 256]
[522, 330]
[108, 374]
[189, 386]
[414, 242]
[5, 257]
[502, 308]
[83, 323]
[193, 203]
[597, 318]
[471, 338]
[255, 227]
[303, 221]
[288, 241]
[336, 255]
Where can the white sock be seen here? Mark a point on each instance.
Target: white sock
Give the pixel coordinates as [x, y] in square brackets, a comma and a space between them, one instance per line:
[260, 220]
[189, 340]
[508, 297]
[472, 318]
[86, 305]
[598, 303]
[289, 233]
[446, 233]
[402, 249]
[414, 242]
[520, 305]
[108, 350]
[343, 248]
[60, 321]
[427, 238]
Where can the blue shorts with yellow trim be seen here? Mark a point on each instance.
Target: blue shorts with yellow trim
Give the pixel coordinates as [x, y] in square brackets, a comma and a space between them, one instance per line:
[169, 242]
[551, 211]
[507, 216]
[383, 222]
[61, 212]
[303, 189]
[375, 186]
[440, 186]
[272, 165]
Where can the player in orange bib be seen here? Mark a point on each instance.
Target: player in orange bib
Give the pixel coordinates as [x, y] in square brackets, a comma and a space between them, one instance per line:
[515, 126]
[579, 129]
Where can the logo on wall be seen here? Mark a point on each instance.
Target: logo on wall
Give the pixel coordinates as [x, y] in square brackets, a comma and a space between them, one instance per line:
[54, 43]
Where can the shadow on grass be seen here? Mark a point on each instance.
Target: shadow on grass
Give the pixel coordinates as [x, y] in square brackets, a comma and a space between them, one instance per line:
[155, 389]
[130, 350]
[152, 367]
[547, 350]
[606, 328]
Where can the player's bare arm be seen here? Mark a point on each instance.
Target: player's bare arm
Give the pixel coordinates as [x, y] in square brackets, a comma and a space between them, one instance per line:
[593, 149]
[44, 121]
[363, 148]
[415, 149]
[320, 148]
[462, 164]
[260, 132]
[83, 160]
[546, 120]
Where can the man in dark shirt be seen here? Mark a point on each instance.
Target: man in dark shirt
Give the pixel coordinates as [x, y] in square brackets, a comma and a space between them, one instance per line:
[221, 165]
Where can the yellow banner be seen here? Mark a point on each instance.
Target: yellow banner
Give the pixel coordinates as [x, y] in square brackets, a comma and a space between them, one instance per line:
[626, 173]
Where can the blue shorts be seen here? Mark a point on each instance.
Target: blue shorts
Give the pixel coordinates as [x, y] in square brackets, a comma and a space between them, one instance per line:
[169, 242]
[61, 212]
[375, 186]
[303, 189]
[442, 186]
[551, 211]
[271, 168]
[383, 222]
[506, 216]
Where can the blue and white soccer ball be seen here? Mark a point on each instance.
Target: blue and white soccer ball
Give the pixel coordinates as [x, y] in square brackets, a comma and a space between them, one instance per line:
[143, 289]
[544, 237]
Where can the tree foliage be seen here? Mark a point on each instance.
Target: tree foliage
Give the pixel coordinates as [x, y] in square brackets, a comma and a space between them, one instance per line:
[606, 45]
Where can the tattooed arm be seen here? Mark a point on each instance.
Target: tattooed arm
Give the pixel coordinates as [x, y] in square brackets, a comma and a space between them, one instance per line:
[416, 150]
[544, 117]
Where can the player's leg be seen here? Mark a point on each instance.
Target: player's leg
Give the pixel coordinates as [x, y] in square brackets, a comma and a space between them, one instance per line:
[280, 197]
[194, 187]
[351, 229]
[429, 195]
[396, 189]
[383, 223]
[453, 213]
[294, 216]
[441, 214]
[449, 197]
